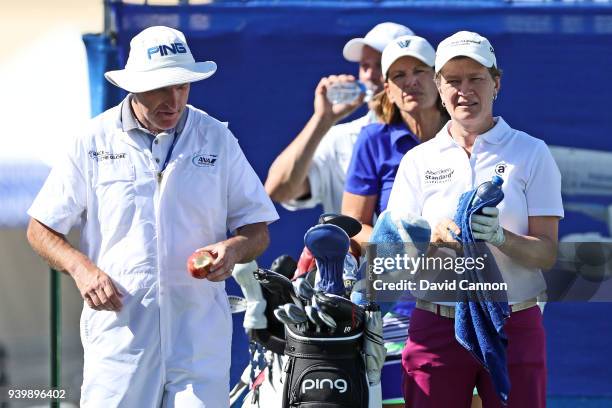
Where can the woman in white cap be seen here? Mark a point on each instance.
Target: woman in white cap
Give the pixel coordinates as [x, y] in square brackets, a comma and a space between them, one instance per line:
[151, 180]
[411, 113]
[521, 232]
[312, 169]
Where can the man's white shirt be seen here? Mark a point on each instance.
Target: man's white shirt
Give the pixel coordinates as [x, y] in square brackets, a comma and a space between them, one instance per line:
[327, 172]
[136, 224]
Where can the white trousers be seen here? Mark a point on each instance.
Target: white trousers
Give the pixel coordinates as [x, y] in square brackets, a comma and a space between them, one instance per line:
[168, 347]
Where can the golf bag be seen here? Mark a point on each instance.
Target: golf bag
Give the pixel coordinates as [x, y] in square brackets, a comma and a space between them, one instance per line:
[316, 331]
[324, 372]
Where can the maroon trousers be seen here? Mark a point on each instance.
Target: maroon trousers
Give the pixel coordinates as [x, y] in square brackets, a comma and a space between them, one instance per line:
[439, 373]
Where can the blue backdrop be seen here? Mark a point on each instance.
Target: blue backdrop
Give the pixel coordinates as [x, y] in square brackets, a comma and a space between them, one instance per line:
[556, 60]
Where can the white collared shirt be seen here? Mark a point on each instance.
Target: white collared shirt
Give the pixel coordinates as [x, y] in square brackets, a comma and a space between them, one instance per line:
[330, 162]
[433, 175]
[137, 227]
[156, 147]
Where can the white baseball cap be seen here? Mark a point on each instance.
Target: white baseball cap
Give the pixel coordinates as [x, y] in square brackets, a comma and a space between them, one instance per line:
[465, 44]
[407, 45]
[159, 57]
[377, 38]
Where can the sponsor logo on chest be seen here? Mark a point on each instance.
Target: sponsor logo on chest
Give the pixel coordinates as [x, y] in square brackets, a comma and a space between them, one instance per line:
[438, 176]
[501, 169]
[102, 155]
[204, 160]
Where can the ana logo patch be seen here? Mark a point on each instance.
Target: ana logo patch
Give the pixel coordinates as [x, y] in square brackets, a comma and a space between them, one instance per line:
[204, 160]
[500, 168]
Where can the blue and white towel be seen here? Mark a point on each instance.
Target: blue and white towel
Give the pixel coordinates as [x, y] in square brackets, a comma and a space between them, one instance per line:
[479, 325]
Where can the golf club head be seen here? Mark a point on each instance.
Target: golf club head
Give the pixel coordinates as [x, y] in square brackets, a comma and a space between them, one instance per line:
[295, 314]
[282, 317]
[303, 289]
[327, 320]
[349, 224]
[276, 283]
[313, 316]
[348, 316]
[237, 304]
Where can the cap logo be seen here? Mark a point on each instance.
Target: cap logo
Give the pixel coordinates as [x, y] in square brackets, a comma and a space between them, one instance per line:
[403, 44]
[163, 49]
[463, 42]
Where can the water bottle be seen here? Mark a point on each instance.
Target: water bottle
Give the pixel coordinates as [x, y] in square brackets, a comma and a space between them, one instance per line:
[347, 92]
[489, 190]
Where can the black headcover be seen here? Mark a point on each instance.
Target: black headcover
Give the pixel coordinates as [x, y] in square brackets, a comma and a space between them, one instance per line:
[349, 224]
[285, 265]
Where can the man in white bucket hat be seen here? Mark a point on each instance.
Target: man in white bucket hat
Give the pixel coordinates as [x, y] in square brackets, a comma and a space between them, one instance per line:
[152, 180]
[312, 169]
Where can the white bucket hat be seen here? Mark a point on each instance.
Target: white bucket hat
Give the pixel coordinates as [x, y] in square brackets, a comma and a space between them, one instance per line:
[407, 46]
[159, 57]
[377, 38]
[465, 44]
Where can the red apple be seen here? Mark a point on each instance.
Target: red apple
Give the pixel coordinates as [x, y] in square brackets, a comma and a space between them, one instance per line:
[199, 264]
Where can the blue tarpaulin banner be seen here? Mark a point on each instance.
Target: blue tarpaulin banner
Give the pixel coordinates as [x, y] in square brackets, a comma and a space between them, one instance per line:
[556, 60]
[101, 57]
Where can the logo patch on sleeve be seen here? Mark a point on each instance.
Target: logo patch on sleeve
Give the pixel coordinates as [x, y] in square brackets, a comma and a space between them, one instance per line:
[204, 160]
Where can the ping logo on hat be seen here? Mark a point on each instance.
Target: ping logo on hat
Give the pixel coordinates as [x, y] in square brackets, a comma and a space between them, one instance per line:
[159, 57]
[163, 49]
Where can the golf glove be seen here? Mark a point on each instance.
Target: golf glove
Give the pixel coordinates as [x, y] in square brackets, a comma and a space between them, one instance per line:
[486, 227]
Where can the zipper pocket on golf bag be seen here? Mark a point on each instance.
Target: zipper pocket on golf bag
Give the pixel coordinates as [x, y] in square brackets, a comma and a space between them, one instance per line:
[324, 385]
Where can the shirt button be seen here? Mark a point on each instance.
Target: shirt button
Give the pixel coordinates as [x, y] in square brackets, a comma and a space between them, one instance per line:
[156, 141]
[156, 160]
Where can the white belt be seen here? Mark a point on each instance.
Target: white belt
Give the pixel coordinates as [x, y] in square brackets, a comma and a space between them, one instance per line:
[449, 311]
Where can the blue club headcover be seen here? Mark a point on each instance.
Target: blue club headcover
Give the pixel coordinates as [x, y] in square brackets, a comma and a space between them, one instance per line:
[329, 245]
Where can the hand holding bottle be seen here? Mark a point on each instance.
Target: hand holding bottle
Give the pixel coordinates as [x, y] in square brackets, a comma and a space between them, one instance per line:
[485, 223]
[337, 84]
[486, 226]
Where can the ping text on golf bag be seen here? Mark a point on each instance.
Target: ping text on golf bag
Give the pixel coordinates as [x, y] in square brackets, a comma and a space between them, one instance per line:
[324, 372]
